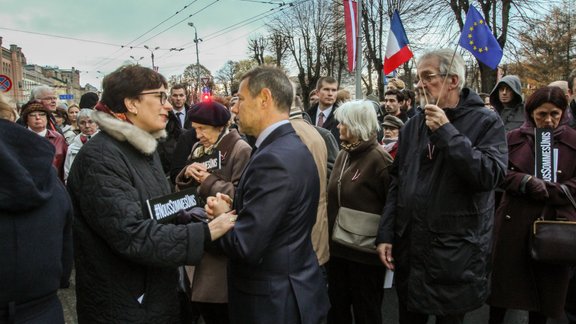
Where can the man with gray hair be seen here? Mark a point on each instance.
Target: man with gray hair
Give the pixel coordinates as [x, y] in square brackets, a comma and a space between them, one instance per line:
[46, 95]
[436, 229]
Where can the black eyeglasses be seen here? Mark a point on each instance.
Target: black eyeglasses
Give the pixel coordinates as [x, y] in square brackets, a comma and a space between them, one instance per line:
[163, 96]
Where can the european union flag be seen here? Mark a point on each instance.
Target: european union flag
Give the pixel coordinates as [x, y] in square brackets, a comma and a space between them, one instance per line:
[477, 38]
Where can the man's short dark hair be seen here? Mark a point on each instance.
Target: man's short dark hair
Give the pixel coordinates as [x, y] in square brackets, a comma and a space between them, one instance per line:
[275, 80]
[326, 79]
[409, 94]
[395, 92]
[179, 86]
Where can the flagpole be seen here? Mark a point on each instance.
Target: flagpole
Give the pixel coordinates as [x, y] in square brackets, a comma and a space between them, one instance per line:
[359, 52]
[446, 76]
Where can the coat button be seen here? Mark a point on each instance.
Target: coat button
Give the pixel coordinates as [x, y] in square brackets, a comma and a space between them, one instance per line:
[508, 217]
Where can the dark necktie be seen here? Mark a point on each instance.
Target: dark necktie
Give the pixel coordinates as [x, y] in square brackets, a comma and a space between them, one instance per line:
[178, 114]
[320, 120]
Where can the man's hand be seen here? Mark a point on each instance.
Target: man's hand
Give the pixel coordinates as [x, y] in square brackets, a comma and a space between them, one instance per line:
[435, 117]
[218, 205]
[385, 254]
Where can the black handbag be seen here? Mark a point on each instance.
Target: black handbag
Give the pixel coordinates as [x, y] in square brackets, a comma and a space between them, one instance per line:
[554, 241]
[355, 229]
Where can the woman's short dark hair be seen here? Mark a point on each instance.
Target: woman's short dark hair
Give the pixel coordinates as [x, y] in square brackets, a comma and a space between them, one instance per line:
[62, 113]
[553, 95]
[128, 82]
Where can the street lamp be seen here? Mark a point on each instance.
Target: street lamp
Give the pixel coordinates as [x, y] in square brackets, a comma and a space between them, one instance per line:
[152, 55]
[137, 60]
[196, 40]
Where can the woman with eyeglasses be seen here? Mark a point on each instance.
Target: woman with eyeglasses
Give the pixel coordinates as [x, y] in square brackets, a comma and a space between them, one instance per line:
[126, 262]
[35, 116]
[518, 281]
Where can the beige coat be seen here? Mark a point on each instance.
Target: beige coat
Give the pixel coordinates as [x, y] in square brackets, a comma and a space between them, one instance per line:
[312, 139]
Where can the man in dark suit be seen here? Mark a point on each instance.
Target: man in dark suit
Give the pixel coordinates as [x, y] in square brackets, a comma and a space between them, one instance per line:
[322, 113]
[273, 273]
[177, 123]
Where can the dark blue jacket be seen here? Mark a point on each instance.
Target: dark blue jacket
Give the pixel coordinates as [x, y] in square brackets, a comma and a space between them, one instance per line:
[274, 275]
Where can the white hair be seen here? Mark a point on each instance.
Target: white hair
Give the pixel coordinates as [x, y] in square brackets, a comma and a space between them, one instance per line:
[456, 65]
[40, 91]
[359, 117]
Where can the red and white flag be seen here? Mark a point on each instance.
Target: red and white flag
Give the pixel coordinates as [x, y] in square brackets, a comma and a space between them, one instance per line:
[351, 24]
[397, 50]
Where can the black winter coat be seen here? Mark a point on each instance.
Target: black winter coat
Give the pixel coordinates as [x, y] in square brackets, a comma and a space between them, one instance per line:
[125, 261]
[35, 228]
[440, 208]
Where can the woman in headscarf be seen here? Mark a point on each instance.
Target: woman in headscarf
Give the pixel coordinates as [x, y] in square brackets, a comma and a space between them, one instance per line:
[215, 143]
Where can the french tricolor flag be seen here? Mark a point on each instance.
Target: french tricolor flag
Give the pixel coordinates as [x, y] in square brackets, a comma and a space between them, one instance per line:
[397, 50]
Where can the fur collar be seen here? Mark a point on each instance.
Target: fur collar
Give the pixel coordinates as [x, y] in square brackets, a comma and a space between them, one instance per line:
[124, 131]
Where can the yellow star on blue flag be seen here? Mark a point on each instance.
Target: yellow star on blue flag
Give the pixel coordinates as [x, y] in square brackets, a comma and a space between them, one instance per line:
[478, 39]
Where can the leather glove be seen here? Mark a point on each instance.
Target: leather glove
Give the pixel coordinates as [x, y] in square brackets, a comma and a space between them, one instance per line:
[536, 189]
[194, 214]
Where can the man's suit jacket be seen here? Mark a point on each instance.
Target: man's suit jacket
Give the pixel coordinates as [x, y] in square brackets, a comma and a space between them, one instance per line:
[330, 123]
[173, 131]
[273, 273]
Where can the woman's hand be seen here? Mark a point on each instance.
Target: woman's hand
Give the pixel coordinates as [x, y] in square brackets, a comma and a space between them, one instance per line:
[197, 171]
[222, 224]
[220, 204]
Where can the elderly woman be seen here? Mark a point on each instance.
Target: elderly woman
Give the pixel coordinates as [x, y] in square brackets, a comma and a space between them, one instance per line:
[392, 126]
[88, 128]
[211, 120]
[358, 181]
[35, 117]
[126, 262]
[518, 281]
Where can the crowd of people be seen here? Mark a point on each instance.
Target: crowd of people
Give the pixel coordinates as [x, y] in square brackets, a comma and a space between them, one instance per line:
[449, 174]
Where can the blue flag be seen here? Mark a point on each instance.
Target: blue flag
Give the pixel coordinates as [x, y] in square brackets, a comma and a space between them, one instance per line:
[478, 39]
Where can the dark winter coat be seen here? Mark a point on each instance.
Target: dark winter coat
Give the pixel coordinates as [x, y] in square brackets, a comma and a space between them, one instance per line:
[440, 208]
[513, 114]
[518, 281]
[35, 227]
[125, 261]
[364, 186]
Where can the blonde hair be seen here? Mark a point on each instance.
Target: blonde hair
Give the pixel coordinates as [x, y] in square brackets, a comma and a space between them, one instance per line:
[7, 110]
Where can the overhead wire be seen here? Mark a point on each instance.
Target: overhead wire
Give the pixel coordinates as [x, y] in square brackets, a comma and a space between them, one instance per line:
[117, 53]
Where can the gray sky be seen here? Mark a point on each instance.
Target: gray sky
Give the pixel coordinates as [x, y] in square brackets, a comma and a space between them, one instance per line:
[106, 32]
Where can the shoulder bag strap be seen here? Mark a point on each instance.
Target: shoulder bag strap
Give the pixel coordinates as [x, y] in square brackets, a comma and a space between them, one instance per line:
[340, 178]
[568, 194]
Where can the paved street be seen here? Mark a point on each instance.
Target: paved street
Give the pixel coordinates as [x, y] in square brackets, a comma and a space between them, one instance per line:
[389, 310]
